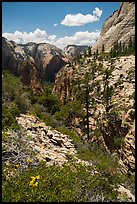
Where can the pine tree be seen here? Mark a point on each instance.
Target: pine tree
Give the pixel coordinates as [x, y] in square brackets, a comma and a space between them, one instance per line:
[89, 51]
[108, 90]
[131, 45]
[86, 95]
[103, 48]
[97, 53]
[120, 48]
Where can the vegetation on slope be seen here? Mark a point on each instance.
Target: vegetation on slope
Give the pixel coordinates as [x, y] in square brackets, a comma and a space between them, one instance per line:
[70, 182]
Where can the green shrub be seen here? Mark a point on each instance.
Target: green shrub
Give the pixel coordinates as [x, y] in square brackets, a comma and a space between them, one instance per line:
[4, 136]
[46, 119]
[23, 102]
[69, 111]
[9, 116]
[76, 139]
[132, 96]
[51, 103]
[49, 100]
[118, 141]
[69, 183]
[14, 90]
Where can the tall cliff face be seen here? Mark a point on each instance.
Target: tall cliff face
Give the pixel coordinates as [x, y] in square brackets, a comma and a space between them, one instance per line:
[20, 64]
[33, 62]
[117, 127]
[72, 51]
[122, 81]
[120, 26]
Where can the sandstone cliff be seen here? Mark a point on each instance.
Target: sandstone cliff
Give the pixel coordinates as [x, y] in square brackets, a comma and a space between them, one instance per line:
[120, 26]
[117, 123]
[20, 64]
[72, 51]
[123, 82]
[32, 62]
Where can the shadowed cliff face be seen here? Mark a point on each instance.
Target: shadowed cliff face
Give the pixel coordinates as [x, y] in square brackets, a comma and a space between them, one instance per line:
[20, 64]
[52, 68]
[120, 26]
[33, 62]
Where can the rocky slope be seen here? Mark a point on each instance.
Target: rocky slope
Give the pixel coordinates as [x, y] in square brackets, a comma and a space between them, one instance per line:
[37, 142]
[33, 62]
[122, 81]
[51, 145]
[72, 51]
[120, 26]
[116, 122]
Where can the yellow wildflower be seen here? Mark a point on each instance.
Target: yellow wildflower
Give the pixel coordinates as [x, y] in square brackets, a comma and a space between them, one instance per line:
[36, 184]
[38, 177]
[29, 160]
[33, 177]
[31, 183]
[34, 181]
[17, 165]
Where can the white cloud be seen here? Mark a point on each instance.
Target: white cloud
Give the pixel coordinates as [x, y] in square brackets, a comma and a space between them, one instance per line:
[40, 36]
[55, 24]
[37, 36]
[80, 19]
[79, 38]
[11, 36]
[51, 37]
[97, 12]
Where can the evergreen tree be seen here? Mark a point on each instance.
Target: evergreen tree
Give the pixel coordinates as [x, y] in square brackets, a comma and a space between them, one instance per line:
[86, 94]
[103, 49]
[120, 48]
[131, 45]
[89, 51]
[97, 53]
[108, 90]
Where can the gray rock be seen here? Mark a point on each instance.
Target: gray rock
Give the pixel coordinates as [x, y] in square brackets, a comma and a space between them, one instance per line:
[74, 50]
[120, 26]
[52, 146]
[124, 193]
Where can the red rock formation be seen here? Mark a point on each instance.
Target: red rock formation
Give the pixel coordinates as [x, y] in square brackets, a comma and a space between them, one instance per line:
[64, 84]
[32, 62]
[52, 67]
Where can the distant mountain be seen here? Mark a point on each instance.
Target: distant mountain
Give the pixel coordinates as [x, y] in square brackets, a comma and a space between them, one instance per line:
[120, 26]
[74, 50]
[33, 62]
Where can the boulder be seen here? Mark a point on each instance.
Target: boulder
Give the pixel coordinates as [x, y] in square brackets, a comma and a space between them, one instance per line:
[125, 194]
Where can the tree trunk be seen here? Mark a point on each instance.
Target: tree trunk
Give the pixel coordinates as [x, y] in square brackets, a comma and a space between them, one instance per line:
[87, 111]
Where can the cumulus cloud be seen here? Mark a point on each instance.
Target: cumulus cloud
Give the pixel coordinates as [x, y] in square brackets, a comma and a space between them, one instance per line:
[51, 37]
[80, 19]
[97, 12]
[55, 24]
[37, 36]
[40, 36]
[79, 38]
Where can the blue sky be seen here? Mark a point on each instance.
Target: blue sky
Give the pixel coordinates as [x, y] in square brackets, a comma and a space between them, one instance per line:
[58, 23]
